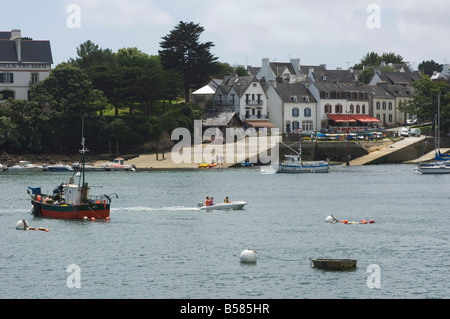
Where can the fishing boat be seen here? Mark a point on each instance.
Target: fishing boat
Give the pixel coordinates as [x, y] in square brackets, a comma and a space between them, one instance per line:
[70, 200]
[224, 206]
[334, 264]
[118, 164]
[441, 165]
[295, 164]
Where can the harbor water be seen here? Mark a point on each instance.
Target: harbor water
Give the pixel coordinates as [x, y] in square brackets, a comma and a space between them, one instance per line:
[158, 244]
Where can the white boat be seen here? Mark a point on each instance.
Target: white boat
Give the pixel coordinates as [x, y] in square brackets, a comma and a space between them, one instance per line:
[435, 168]
[294, 164]
[58, 168]
[25, 166]
[117, 164]
[442, 162]
[225, 206]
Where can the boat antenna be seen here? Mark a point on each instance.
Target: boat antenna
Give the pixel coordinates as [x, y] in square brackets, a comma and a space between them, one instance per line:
[83, 150]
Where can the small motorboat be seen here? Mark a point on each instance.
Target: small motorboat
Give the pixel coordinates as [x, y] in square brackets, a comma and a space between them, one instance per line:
[58, 168]
[334, 264]
[25, 166]
[224, 206]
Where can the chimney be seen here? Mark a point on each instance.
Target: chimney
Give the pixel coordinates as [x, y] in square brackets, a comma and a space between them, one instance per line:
[296, 65]
[16, 36]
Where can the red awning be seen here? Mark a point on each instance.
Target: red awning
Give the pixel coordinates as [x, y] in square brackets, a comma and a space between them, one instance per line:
[341, 118]
[257, 124]
[366, 118]
[344, 118]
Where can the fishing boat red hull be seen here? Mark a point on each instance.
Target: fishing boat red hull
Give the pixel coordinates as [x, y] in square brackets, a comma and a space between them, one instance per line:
[98, 210]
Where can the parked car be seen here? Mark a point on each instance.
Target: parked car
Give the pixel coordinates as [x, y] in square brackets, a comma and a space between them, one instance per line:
[404, 132]
[414, 131]
[411, 121]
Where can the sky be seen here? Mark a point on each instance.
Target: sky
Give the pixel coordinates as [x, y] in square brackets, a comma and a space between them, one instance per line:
[337, 33]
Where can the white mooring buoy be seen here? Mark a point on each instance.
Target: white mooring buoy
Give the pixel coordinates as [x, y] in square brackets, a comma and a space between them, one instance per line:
[248, 256]
[22, 225]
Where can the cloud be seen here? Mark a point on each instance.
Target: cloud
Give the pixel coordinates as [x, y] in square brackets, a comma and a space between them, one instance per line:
[123, 14]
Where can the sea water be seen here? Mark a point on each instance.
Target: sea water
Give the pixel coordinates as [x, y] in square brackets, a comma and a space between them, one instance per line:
[159, 245]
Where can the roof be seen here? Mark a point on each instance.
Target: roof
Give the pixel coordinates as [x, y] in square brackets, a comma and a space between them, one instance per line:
[222, 119]
[399, 77]
[260, 123]
[287, 91]
[32, 51]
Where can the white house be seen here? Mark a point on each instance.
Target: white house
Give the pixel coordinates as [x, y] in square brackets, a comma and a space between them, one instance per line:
[341, 104]
[23, 63]
[292, 108]
[245, 96]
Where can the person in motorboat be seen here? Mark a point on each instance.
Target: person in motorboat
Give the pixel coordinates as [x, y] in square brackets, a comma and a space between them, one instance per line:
[226, 201]
[211, 201]
[207, 201]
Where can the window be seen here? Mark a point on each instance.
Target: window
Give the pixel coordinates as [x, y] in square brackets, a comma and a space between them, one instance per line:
[363, 109]
[295, 112]
[384, 105]
[34, 78]
[378, 105]
[6, 77]
[390, 106]
[328, 108]
[352, 108]
[358, 109]
[307, 112]
[390, 118]
[294, 98]
[338, 108]
[295, 125]
[307, 126]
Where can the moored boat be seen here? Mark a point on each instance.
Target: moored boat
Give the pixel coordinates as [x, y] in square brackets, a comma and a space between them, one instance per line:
[236, 205]
[334, 264]
[25, 166]
[294, 164]
[70, 200]
[58, 168]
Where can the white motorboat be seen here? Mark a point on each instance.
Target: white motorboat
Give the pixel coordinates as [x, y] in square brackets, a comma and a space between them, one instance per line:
[25, 166]
[58, 168]
[224, 206]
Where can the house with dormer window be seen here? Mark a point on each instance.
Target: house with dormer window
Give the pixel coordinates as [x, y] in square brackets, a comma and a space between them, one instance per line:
[23, 63]
[245, 96]
[292, 108]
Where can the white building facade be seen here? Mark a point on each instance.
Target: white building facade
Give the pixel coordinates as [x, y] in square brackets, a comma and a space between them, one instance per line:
[23, 63]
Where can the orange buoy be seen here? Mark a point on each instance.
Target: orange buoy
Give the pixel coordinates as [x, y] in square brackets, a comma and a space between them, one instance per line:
[371, 221]
[107, 218]
[363, 221]
[92, 219]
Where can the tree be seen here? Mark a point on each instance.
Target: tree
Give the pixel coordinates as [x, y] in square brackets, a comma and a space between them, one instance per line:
[68, 91]
[366, 75]
[428, 67]
[183, 52]
[373, 59]
[425, 100]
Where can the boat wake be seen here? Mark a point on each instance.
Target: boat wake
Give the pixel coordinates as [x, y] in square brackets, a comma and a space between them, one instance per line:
[270, 169]
[144, 209]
